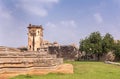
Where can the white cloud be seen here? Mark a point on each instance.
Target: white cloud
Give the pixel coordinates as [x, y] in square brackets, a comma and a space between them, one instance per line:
[98, 18]
[5, 14]
[65, 32]
[11, 33]
[51, 25]
[36, 7]
[6, 19]
[70, 23]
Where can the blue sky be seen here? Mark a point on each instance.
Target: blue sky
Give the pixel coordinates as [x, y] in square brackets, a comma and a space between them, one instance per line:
[64, 21]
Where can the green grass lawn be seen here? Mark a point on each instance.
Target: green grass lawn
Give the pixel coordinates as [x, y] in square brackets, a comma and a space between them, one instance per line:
[82, 70]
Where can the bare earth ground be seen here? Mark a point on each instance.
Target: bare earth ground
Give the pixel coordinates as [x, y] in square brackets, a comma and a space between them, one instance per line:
[64, 68]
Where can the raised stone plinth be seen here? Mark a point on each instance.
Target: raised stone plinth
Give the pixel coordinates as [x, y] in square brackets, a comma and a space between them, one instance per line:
[25, 61]
[33, 63]
[63, 68]
[10, 49]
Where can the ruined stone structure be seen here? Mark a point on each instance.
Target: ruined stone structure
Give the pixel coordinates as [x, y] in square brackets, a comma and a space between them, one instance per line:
[25, 61]
[33, 59]
[66, 52]
[35, 37]
[37, 43]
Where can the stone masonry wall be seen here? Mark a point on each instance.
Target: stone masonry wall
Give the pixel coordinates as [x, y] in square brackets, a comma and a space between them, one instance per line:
[65, 52]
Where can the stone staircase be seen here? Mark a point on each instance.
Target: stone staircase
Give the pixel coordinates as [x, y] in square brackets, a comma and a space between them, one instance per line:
[23, 61]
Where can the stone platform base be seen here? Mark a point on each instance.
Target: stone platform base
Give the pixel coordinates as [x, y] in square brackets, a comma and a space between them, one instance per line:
[63, 68]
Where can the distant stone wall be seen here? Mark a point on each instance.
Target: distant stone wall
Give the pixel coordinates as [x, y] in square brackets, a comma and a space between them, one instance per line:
[65, 52]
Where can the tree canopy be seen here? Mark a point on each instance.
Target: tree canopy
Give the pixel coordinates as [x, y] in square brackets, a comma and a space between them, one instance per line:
[99, 45]
[107, 43]
[116, 49]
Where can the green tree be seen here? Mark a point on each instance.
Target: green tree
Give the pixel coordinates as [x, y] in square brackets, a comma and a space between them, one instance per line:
[107, 43]
[92, 44]
[116, 49]
[96, 44]
[84, 45]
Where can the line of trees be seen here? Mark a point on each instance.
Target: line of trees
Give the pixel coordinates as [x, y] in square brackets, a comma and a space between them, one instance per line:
[100, 45]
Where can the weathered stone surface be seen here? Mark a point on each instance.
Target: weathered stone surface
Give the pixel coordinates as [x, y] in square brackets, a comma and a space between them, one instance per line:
[24, 61]
[10, 49]
[63, 68]
[66, 52]
[114, 63]
[110, 56]
[35, 37]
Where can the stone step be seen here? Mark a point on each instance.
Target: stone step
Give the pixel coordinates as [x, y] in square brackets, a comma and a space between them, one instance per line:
[49, 56]
[13, 60]
[25, 60]
[10, 63]
[2, 48]
[26, 55]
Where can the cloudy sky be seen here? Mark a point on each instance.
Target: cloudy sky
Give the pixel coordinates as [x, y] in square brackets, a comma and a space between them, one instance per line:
[64, 21]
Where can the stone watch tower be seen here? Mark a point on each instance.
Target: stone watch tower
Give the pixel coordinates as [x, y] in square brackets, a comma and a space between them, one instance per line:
[35, 37]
